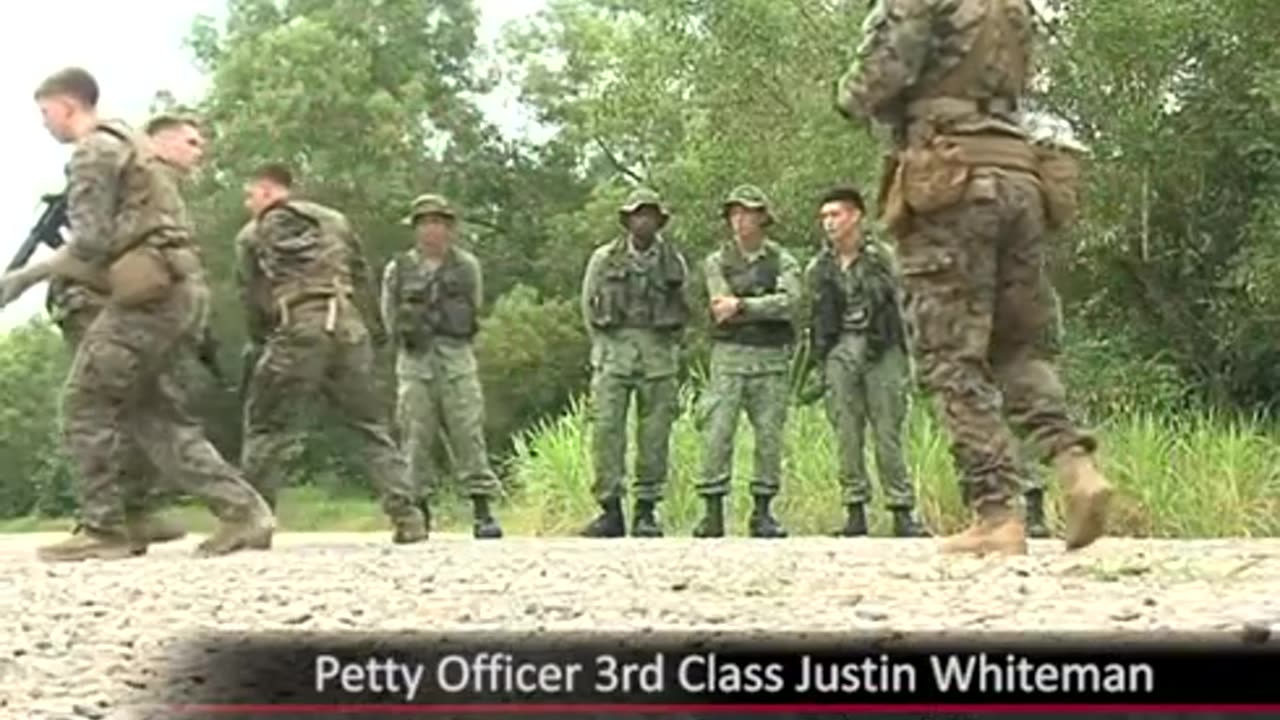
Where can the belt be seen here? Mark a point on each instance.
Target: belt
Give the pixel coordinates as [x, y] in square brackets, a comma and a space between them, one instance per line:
[333, 294]
[925, 107]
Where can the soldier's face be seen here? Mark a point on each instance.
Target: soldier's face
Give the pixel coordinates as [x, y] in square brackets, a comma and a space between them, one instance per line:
[57, 112]
[746, 222]
[257, 196]
[182, 145]
[434, 231]
[644, 222]
[839, 219]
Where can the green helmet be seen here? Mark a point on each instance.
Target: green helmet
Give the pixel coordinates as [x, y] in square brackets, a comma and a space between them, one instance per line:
[748, 196]
[637, 199]
[429, 204]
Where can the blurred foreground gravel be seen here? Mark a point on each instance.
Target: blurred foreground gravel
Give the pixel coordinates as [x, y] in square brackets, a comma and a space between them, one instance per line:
[78, 638]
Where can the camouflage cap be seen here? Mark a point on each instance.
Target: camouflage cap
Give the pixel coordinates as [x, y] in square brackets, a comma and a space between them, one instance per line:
[429, 204]
[748, 196]
[639, 198]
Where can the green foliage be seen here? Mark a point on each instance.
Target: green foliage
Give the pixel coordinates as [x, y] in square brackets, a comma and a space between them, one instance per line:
[37, 478]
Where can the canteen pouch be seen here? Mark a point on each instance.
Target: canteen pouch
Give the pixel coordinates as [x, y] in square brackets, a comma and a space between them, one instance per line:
[1060, 183]
[139, 276]
[934, 175]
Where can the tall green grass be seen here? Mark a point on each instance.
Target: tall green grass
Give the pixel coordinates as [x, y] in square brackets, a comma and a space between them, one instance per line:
[1195, 474]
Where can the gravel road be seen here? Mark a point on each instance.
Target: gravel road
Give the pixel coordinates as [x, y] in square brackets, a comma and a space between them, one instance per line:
[79, 637]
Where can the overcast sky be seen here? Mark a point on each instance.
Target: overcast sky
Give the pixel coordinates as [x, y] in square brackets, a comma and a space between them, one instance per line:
[42, 37]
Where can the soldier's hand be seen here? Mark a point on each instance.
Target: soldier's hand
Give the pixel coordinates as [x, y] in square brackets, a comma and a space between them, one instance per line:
[724, 307]
[13, 285]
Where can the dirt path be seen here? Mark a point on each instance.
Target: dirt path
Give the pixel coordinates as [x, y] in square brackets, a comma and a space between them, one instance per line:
[77, 636]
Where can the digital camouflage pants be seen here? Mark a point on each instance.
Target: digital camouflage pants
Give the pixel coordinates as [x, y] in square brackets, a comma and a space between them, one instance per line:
[657, 404]
[764, 397]
[977, 298]
[123, 409]
[300, 361]
[424, 406]
[876, 394]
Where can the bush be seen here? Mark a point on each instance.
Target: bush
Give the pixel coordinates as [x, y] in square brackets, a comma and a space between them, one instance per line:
[37, 478]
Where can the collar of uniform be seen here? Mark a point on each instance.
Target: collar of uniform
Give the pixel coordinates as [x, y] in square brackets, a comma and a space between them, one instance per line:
[630, 245]
[752, 256]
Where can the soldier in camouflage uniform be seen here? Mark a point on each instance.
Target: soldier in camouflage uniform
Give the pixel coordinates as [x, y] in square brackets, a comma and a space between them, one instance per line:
[755, 290]
[635, 305]
[72, 306]
[858, 344]
[431, 298]
[131, 238]
[970, 203]
[309, 295]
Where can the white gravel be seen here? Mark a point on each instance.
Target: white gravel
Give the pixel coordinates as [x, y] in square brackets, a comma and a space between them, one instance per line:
[78, 637]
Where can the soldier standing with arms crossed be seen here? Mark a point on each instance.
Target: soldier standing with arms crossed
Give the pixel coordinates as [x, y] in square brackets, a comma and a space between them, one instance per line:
[754, 286]
[635, 305]
[859, 345]
[130, 238]
[431, 298]
[967, 204]
[308, 293]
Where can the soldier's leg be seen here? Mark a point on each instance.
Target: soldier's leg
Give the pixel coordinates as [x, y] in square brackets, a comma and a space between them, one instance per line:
[285, 376]
[1034, 395]
[720, 406]
[656, 406]
[418, 424]
[610, 401]
[352, 387]
[949, 273]
[462, 405]
[888, 399]
[846, 411]
[767, 401]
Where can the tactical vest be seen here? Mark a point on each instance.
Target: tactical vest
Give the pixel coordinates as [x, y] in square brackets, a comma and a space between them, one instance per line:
[149, 208]
[628, 294]
[748, 280]
[434, 303]
[883, 325]
[314, 263]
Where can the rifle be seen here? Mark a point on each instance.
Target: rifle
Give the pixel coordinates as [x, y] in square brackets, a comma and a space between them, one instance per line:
[47, 230]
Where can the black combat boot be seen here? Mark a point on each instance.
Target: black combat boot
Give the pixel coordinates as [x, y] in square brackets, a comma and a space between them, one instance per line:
[762, 524]
[712, 523]
[645, 523]
[855, 523]
[483, 526]
[609, 524]
[1035, 514]
[907, 525]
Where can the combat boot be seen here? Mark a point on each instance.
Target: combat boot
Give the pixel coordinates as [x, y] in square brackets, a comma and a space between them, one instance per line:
[712, 523]
[907, 525]
[1087, 495]
[88, 544]
[610, 523]
[146, 528]
[762, 524]
[855, 522]
[484, 525]
[251, 531]
[412, 527]
[1036, 526]
[997, 529]
[645, 523]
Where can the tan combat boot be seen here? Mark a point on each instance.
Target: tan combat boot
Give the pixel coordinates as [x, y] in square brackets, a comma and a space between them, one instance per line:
[87, 544]
[146, 528]
[1087, 494]
[410, 528]
[251, 532]
[997, 529]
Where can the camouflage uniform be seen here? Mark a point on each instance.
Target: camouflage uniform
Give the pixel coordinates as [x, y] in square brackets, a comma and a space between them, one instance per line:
[432, 309]
[858, 340]
[750, 363]
[307, 290]
[635, 306]
[966, 199]
[121, 388]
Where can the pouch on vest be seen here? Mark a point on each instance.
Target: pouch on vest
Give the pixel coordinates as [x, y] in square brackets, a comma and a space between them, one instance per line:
[1060, 183]
[934, 176]
[139, 276]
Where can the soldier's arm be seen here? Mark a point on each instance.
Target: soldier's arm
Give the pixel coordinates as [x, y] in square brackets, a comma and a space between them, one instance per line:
[477, 290]
[717, 285]
[809, 289]
[589, 289]
[365, 292]
[250, 284]
[780, 305]
[93, 179]
[390, 290]
[894, 47]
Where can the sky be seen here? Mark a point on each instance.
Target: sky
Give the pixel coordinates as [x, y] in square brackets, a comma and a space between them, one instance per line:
[44, 37]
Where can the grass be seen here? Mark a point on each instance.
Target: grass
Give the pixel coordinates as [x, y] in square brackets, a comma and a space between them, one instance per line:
[1179, 476]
